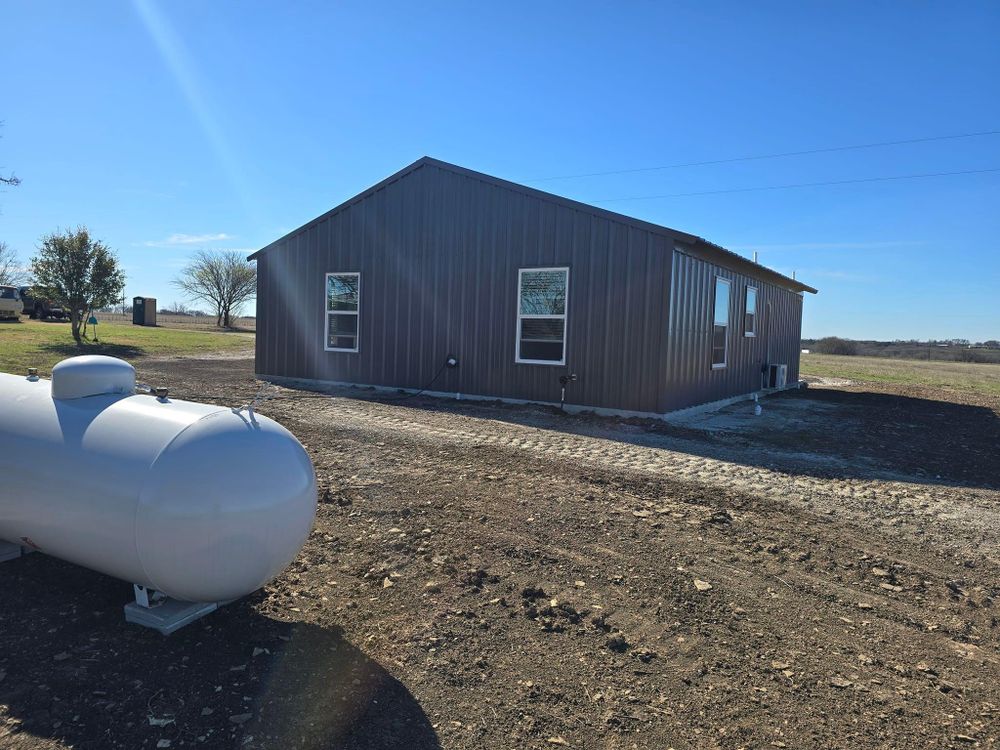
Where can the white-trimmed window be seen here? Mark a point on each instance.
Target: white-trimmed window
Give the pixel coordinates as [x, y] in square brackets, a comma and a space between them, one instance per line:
[542, 297]
[343, 303]
[720, 323]
[750, 312]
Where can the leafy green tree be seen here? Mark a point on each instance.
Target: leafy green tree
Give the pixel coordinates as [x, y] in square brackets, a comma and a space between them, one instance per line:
[78, 272]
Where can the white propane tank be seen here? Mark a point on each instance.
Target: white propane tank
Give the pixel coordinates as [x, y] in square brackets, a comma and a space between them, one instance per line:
[202, 503]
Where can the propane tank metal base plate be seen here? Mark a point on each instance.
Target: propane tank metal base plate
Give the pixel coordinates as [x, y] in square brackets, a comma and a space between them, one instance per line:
[9, 551]
[168, 615]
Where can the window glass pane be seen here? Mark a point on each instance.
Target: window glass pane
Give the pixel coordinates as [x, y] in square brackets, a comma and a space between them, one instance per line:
[8, 292]
[342, 332]
[542, 329]
[542, 339]
[344, 324]
[343, 342]
[749, 316]
[342, 292]
[719, 345]
[543, 292]
[721, 303]
[547, 351]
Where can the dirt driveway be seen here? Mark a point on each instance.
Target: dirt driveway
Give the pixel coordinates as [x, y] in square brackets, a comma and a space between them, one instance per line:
[482, 576]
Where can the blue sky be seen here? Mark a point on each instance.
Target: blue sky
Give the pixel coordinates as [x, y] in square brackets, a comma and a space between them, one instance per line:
[170, 127]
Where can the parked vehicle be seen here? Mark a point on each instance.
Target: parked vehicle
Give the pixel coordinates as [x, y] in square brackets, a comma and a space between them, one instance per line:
[39, 308]
[10, 302]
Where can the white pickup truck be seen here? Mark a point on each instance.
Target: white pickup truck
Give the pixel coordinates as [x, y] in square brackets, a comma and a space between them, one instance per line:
[10, 302]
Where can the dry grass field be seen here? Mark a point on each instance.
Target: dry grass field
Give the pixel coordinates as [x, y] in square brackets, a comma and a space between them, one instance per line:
[34, 343]
[959, 377]
[187, 322]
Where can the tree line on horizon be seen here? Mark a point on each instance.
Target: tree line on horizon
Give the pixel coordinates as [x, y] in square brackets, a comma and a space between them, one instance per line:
[953, 350]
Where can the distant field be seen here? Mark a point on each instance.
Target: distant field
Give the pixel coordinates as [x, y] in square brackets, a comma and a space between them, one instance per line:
[954, 376]
[32, 343]
[190, 322]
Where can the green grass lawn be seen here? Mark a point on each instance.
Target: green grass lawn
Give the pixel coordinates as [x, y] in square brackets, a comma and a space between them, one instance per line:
[954, 376]
[33, 343]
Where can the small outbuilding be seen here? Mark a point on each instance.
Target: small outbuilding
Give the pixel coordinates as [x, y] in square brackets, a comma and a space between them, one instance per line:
[449, 280]
[144, 311]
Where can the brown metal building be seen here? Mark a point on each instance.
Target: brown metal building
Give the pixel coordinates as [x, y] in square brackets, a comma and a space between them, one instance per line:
[521, 287]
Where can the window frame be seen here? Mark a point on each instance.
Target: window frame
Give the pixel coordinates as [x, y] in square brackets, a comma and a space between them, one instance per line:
[564, 317]
[746, 300]
[327, 312]
[729, 306]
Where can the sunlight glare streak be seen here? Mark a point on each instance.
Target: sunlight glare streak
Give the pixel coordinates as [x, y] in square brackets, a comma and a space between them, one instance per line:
[177, 61]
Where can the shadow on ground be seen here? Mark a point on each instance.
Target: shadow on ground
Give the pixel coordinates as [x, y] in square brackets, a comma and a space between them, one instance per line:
[71, 670]
[72, 349]
[36, 320]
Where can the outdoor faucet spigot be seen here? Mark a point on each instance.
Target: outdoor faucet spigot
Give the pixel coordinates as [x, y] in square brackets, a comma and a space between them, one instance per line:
[563, 380]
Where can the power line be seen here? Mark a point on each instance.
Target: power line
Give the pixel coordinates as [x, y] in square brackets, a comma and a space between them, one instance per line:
[831, 149]
[798, 185]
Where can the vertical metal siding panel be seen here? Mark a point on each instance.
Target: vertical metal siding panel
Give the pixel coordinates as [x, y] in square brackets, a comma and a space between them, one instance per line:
[591, 289]
[373, 304]
[275, 366]
[280, 331]
[409, 250]
[261, 363]
[437, 234]
[504, 290]
[289, 334]
[312, 303]
[583, 276]
[295, 326]
[283, 305]
[290, 327]
[690, 379]
[403, 240]
[658, 294]
[630, 386]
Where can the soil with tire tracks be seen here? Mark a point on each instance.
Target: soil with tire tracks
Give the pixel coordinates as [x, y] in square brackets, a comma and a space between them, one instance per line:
[483, 575]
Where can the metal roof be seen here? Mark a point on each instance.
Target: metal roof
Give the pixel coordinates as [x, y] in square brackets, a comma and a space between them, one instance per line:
[710, 249]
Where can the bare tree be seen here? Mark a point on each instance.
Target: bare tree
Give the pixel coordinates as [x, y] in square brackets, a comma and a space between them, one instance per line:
[223, 279]
[12, 180]
[12, 273]
[80, 273]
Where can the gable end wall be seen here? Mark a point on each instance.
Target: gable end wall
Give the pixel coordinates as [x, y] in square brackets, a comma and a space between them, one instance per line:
[439, 252]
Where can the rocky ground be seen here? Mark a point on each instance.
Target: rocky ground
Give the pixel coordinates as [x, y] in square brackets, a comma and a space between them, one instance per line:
[822, 576]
